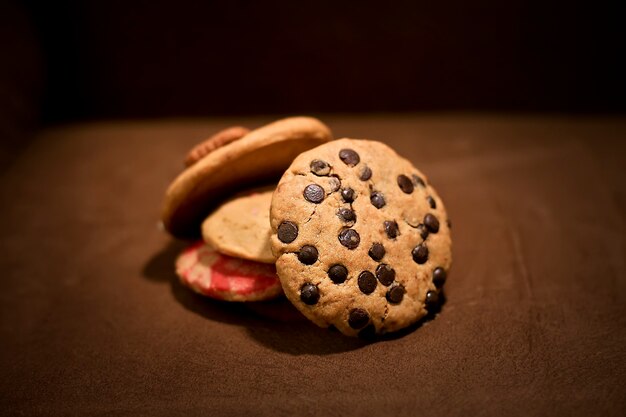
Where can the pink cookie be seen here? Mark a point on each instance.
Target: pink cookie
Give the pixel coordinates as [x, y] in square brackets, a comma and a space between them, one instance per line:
[223, 277]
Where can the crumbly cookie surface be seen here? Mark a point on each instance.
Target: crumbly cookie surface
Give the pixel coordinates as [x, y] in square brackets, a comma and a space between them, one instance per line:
[240, 227]
[361, 238]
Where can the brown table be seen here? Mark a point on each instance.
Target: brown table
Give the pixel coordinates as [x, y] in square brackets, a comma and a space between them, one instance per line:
[93, 321]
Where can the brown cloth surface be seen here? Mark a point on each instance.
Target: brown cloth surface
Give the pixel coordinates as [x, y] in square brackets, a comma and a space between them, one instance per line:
[93, 321]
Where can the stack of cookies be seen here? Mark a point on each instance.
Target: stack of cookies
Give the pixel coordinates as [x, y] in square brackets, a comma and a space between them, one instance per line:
[352, 233]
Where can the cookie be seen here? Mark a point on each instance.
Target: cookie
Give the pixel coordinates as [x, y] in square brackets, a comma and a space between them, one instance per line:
[222, 277]
[240, 227]
[221, 138]
[361, 238]
[260, 156]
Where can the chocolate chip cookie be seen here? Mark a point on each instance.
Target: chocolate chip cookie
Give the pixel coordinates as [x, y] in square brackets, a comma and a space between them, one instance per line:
[361, 238]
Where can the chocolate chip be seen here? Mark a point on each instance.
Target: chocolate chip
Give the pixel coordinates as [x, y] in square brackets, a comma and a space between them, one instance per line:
[287, 232]
[377, 199]
[391, 228]
[418, 181]
[335, 183]
[309, 294]
[349, 238]
[307, 255]
[405, 184]
[338, 273]
[365, 174]
[348, 195]
[314, 193]
[431, 202]
[420, 253]
[377, 251]
[423, 231]
[346, 215]
[385, 274]
[432, 298]
[395, 293]
[431, 223]
[367, 282]
[439, 277]
[319, 167]
[349, 157]
[358, 318]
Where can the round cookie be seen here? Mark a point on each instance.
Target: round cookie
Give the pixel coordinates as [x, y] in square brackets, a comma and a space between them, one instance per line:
[361, 238]
[240, 227]
[260, 156]
[222, 277]
[219, 139]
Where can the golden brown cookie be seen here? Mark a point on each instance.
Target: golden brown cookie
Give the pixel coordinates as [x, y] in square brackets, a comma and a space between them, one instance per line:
[261, 156]
[221, 138]
[240, 227]
[361, 237]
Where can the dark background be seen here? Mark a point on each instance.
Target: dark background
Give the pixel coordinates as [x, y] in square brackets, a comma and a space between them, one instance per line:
[513, 109]
[71, 60]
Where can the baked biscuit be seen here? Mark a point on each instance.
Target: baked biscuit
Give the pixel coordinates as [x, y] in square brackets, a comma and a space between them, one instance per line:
[221, 138]
[260, 156]
[361, 238]
[222, 277]
[240, 227]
